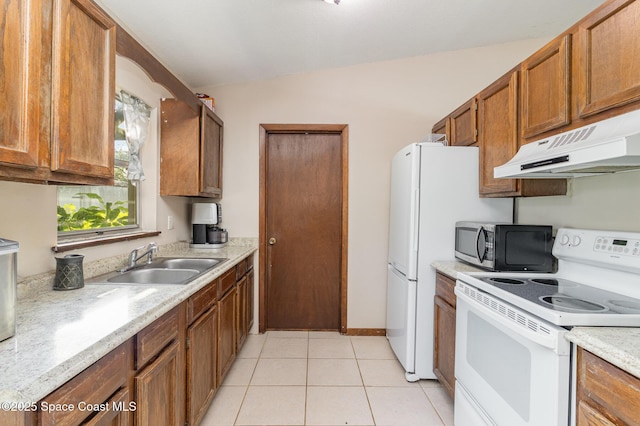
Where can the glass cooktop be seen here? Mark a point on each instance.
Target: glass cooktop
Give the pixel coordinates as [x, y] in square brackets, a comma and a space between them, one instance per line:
[566, 296]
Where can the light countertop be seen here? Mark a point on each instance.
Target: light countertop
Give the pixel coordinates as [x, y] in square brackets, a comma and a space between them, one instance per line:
[61, 333]
[619, 346]
[453, 267]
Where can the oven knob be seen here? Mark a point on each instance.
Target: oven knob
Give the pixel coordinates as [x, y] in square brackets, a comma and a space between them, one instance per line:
[576, 241]
[564, 240]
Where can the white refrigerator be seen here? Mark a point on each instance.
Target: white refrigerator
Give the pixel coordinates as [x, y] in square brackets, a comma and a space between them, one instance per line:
[432, 187]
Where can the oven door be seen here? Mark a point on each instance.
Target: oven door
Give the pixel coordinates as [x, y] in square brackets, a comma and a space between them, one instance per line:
[511, 368]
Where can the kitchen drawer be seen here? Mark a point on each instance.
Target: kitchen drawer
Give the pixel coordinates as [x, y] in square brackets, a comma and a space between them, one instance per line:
[201, 301]
[444, 288]
[250, 262]
[95, 385]
[151, 340]
[227, 281]
[111, 416]
[610, 389]
[241, 269]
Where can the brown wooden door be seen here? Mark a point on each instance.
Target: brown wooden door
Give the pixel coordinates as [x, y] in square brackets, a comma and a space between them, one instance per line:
[304, 222]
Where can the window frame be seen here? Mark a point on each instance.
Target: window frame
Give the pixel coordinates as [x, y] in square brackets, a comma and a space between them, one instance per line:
[97, 234]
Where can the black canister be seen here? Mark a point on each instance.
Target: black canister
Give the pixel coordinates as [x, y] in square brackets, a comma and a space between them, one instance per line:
[69, 274]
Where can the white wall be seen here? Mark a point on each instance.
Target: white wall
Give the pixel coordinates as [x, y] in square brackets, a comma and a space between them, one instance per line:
[609, 202]
[28, 213]
[387, 105]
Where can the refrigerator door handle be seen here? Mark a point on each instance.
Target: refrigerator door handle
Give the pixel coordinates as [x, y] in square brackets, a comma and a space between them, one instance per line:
[415, 201]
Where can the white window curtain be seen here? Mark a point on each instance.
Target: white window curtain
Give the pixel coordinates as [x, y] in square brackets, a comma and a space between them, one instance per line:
[136, 121]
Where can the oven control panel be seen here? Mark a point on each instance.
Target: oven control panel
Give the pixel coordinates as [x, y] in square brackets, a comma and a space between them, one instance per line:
[621, 246]
[618, 250]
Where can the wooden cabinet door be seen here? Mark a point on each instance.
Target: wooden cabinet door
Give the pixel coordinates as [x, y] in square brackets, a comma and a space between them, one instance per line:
[226, 333]
[250, 299]
[605, 393]
[608, 50]
[445, 332]
[95, 385]
[589, 416]
[156, 390]
[83, 90]
[202, 343]
[498, 132]
[211, 154]
[23, 52]
[116, 412]
[444, 347]
[545, 89]
[462, 125]
[241, 313]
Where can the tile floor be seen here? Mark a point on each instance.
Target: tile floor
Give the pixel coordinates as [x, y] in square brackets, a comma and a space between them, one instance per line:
[323, 378]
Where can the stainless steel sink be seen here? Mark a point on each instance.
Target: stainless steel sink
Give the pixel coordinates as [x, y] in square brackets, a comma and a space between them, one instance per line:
[187, 263]
[163, 270]
[155, 276]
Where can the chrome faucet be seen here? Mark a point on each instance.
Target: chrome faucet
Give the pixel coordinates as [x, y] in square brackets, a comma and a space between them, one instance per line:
[134, 256]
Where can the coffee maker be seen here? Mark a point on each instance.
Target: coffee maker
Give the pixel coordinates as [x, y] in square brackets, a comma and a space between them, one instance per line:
[205, 219]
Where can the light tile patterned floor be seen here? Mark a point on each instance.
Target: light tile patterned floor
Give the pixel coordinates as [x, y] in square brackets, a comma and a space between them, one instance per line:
[323, 378]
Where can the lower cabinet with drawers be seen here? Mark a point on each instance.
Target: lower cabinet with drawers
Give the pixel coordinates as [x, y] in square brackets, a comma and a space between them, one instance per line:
[168, 373]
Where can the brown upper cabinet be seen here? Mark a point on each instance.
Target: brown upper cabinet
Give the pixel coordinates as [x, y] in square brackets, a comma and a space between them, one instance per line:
[190, 150]
[462, 125]
[588, 73]
[21, 101]
[545, 88]
[498, 139]
[60, 79]
[83, 96]
[498, 133]
[607, 70]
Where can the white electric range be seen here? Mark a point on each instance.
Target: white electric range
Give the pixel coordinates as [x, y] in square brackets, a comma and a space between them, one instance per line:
[513, 364]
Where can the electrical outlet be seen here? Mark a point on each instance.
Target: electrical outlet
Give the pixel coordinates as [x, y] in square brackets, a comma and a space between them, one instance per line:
[169, 222]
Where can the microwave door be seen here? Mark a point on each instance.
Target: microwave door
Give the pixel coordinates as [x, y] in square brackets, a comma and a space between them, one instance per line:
[467, 244]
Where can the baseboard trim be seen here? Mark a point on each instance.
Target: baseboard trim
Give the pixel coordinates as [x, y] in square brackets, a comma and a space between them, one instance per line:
[366, 332]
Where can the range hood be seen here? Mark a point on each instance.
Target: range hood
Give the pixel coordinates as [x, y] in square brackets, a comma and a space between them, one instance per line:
[608, 146]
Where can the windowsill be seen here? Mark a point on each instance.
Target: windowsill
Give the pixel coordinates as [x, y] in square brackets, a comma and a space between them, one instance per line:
[101, 240]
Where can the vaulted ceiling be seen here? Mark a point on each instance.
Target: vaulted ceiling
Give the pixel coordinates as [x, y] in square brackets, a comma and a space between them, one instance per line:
[215, 42]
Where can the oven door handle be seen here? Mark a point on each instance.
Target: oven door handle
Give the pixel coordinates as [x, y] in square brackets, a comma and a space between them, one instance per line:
[554, 340]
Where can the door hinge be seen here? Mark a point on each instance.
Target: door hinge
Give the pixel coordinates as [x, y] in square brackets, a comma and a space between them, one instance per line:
[188, 343]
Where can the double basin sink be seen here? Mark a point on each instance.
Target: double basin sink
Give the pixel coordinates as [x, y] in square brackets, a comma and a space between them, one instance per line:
[163, 270]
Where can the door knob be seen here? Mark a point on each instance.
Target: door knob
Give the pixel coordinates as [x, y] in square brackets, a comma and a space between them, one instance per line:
[272, 241]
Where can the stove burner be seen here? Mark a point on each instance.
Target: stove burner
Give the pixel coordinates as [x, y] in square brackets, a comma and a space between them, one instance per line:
[564, 303]
[546, 281]
[498, 280]
[626, 306]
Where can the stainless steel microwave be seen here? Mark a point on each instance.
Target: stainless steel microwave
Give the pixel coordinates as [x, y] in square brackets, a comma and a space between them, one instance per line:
[505, 247]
